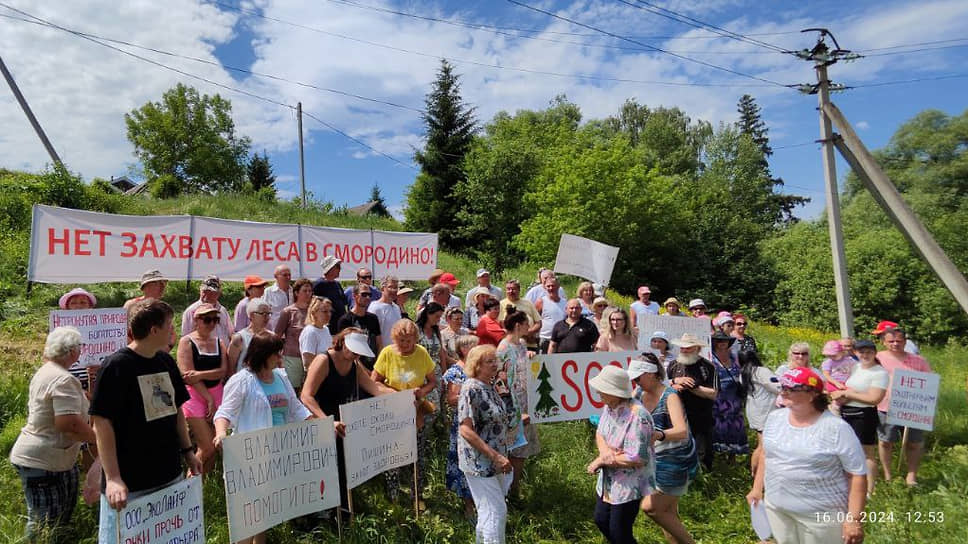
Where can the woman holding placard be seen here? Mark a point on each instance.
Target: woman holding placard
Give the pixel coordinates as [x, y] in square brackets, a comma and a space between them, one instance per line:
[483, 443]
[259, 396]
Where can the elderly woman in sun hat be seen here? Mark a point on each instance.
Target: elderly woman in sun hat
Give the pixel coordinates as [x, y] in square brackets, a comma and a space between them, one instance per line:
[676, 463]
[77, 299]
[625, 463]
[673, 307]
[659, 345]
[813, 479]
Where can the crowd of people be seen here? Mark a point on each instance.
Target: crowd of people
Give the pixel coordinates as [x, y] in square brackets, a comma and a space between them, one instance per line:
[298, 349]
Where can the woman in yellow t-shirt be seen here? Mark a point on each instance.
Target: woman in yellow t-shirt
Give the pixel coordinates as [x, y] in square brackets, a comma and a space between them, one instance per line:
[406, 365]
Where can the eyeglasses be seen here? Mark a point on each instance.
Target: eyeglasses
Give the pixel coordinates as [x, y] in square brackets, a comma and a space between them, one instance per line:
[262, 313]
[800, 353]
[208, 320]
[366, 294]
[616, 319]
[368, 277]
[740, 324]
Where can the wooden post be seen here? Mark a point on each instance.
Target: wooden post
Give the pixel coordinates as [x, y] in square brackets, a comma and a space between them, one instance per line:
[416, 492]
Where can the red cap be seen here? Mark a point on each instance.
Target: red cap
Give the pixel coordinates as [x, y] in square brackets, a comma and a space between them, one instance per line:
[253, 281]
[801, 376]
[883, 327]
[449, 279]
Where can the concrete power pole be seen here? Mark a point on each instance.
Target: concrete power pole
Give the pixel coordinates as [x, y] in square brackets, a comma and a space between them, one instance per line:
[302, 164]
[887, 195]
[30, 114]
[823, 57]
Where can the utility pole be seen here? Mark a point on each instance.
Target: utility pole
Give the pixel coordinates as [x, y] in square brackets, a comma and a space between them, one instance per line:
[30, 114]
[822, 57]
[302, 164]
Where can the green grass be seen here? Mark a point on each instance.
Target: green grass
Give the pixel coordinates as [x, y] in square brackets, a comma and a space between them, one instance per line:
[557, 497]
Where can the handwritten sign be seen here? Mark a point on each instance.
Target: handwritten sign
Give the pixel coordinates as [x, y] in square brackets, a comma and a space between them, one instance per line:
[558, 387]
[675, 327]
[172, 514]
[585, 258]
[279, 473]
[103, 331]
[914, 399]
[380, 435]
[78, 246]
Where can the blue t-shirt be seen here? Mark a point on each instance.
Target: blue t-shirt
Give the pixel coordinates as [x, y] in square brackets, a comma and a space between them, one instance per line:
[278, 400]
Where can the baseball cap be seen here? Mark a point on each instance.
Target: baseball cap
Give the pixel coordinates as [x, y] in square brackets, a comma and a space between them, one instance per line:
[482, 272]
[449, 279]
[253, 281]
[212, 283]
[801, 376]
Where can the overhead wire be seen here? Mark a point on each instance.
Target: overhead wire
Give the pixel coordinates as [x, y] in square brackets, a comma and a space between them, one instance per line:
[201, 78]
[652, 47]
[483, 26]
[457, 60]
[220, 65]
[685, 19]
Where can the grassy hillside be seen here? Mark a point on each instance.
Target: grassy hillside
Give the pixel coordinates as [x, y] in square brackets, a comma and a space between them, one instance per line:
[558, 497]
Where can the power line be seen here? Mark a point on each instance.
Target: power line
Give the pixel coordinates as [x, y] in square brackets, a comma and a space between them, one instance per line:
[483, 26]
[357, 140]
[793, 145]
[685, 19]
[919, 50]
[906, 81]
[656, 49]
[495, 66]
[220, 65]
[918, 44]
[204, 79]
[510, 32]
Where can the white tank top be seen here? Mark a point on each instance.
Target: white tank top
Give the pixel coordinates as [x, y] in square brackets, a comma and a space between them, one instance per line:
[551, 313]
[246, 336]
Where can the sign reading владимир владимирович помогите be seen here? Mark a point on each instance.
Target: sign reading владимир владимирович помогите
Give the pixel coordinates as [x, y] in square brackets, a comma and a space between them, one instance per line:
[278, 473]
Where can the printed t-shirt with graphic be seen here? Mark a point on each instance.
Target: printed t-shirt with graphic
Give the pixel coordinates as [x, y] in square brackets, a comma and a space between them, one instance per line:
[141, 397]
[404, 371]
[278, 399]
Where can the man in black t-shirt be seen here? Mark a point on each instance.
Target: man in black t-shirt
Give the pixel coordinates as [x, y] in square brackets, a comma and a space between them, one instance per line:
[136, 411]
[574, 333]
[328, 286]
[696, 380]
[358, 317]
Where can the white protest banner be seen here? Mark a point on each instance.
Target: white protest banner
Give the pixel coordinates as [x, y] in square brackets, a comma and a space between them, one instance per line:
[75, 246]
[914, 399]
[172, 514]
[103, 331]
[585, 258]
[279, 473]
[675, 327]
[558, 387]
[380, 435]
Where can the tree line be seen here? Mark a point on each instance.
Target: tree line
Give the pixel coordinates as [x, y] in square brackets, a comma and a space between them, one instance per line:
[694, 208]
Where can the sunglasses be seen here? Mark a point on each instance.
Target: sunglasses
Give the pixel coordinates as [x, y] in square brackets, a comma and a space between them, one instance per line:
[208, 320]
[262, 313]
[740, 324]
[616, 319]
[365, 277]
[796, 389]
[801, 353]
[366, 294]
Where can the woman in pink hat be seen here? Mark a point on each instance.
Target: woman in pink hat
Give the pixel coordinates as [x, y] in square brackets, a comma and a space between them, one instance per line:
[77, 299]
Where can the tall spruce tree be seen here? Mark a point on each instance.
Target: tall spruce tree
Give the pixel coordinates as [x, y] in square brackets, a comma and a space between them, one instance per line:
[380, 208]
[432, 204]
[751, 123]
[260, 173]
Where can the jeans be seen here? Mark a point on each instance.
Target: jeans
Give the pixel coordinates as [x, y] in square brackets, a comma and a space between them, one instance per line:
[615, 521]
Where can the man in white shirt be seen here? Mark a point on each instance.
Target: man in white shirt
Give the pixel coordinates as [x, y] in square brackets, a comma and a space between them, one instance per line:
[483, 282]
[385, 309]
[536, 292]
[642, 307]
[279, 294]
[208, 293]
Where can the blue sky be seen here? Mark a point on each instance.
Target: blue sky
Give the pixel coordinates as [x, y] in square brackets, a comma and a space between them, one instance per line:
[80, 90]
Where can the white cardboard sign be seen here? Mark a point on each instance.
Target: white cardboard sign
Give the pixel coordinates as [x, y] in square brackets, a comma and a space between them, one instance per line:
[103, 331]
[275, 474]
[381, 434]
[585, 258]
[172, 514]
[675, 327]
[914, 399]
[558, 387]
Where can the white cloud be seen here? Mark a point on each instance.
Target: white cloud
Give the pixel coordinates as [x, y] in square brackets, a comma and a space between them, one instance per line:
[80, 91]
[863, 125]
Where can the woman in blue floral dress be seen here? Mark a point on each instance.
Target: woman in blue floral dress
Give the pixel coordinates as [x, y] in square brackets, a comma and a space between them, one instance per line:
[454, 378]
[729, 427]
